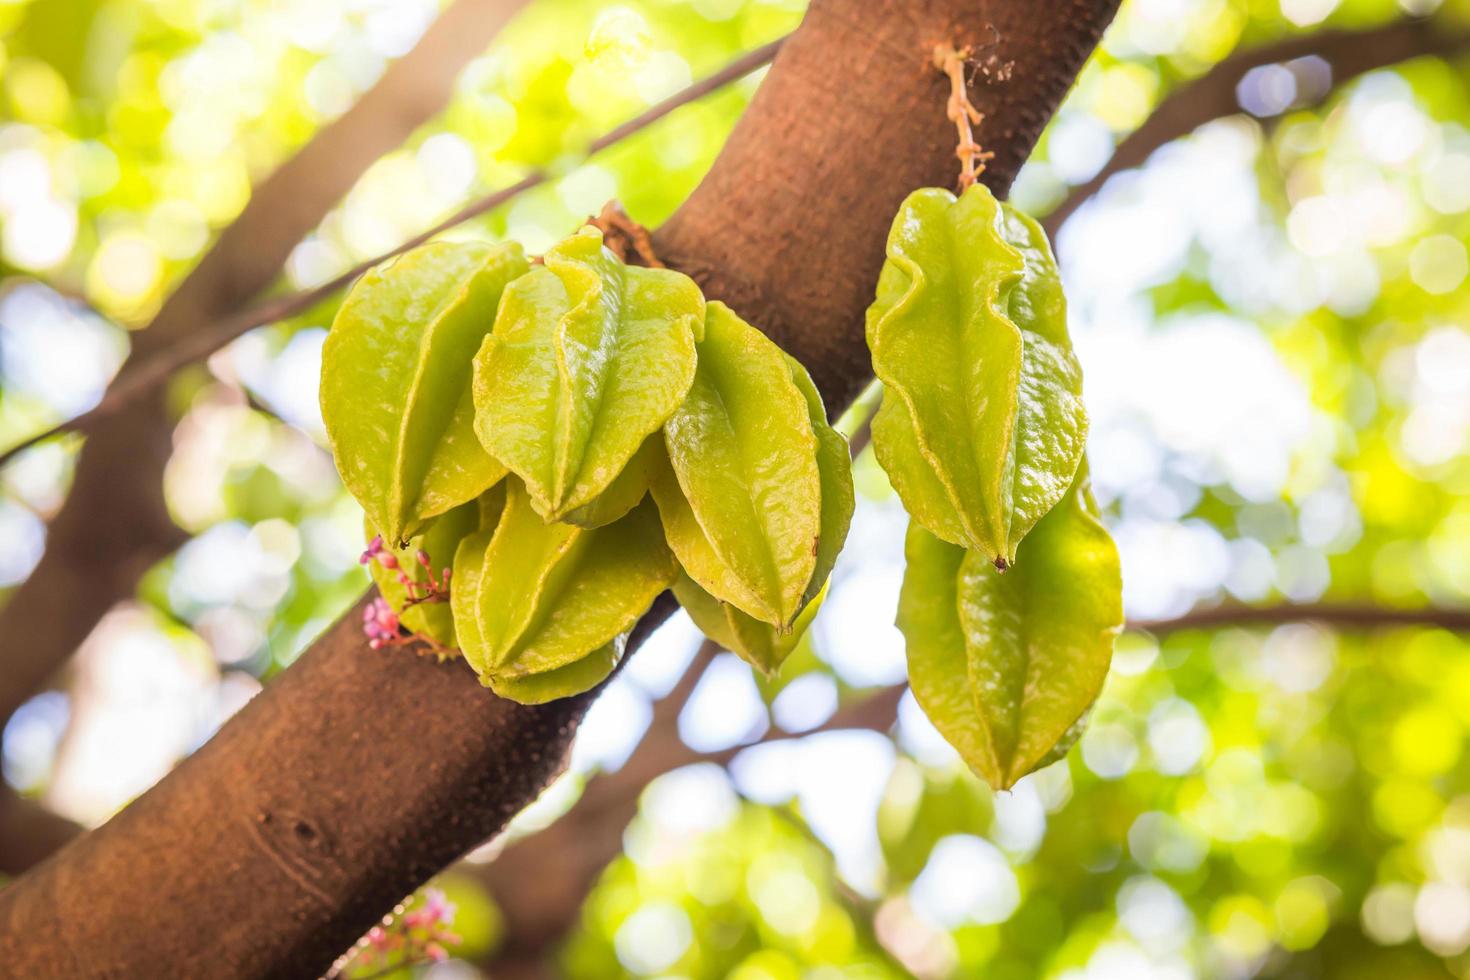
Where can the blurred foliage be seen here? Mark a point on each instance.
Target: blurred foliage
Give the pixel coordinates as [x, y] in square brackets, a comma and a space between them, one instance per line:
[1272, 316]
[756, 898]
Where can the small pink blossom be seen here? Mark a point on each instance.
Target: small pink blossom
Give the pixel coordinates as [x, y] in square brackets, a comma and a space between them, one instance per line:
[380, 623]
[437, 904]
[412, 939]
[376, 552]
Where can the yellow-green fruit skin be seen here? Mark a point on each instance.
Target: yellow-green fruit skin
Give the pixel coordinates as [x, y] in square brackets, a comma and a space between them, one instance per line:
[981, 427]
[395, 386]
[588, 358]
[740, 489]
[1006, 665]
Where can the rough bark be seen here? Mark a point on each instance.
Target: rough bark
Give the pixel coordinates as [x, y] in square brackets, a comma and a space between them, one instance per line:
[854, 117]
[356, 775]
[1213, 94]
[114, 524]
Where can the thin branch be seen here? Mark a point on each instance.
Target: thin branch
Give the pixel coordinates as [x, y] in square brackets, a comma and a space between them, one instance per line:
[1343, 615]
[1213, 95]
[149, 374]
[670, 706]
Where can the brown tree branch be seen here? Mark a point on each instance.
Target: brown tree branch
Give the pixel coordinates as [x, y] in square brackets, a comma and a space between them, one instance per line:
[114, 524]
[355, 776]
[29, 833]
[1213, 95]
[1341, 615]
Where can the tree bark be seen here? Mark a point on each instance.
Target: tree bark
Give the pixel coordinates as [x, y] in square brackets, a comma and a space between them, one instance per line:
[356, 775]
[114, 525]
[832, 145]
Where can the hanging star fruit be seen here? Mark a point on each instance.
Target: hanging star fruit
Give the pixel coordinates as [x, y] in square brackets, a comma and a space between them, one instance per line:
[981, 427]
[531, 598]
[740, 490]
[395, 388]
[1006, 665]
[587, 359]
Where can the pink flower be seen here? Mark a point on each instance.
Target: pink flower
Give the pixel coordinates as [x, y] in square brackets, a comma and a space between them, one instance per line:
[378, 553]
[420, 936]
[434, 911]
[437, 905]
[379, 623]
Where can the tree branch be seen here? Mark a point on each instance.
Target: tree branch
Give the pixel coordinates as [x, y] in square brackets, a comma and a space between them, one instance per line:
[114, 524]
[1213, 95]
[355, 776]
[1343, 615]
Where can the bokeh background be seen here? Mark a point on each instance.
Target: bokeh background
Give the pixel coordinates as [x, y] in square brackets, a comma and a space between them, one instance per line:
[1272, 317]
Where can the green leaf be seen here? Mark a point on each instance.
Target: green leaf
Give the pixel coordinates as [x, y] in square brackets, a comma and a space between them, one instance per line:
[395, 390]
[587, 359]
[531, 597]
[740, 492]
[439, 542]
[981, 427]
[1033, 643]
